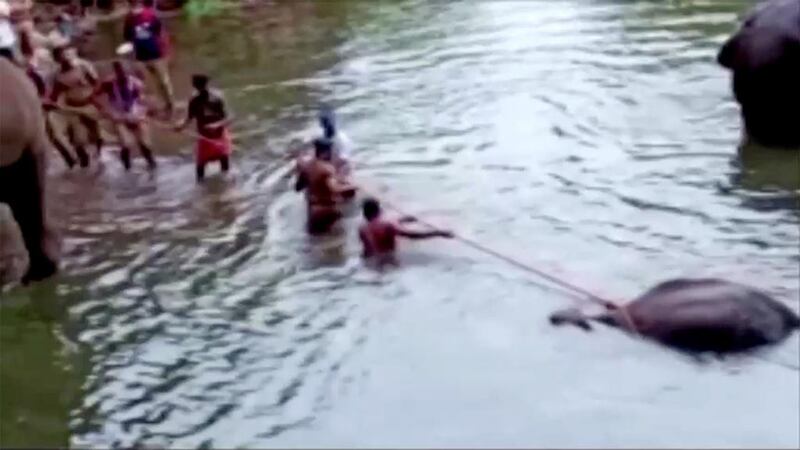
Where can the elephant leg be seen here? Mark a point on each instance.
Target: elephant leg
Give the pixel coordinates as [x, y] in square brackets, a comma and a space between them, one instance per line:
[21, 187]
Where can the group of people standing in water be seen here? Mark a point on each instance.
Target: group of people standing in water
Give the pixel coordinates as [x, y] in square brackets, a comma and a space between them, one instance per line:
[76, 99]
[689, 314]
[324, 177]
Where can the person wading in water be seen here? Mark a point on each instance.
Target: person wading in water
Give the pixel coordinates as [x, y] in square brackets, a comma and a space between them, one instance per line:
[38, 64]
[123, 95]
[76, 79]
[207, 107]
[323, 188]
[146, 33]
[379, 235]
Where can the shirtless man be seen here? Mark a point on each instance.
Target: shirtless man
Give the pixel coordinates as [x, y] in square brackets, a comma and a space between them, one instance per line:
[379, 236]
[207, 107]
[38, 65]
[323, 188]
[76, 79]
[123, 102]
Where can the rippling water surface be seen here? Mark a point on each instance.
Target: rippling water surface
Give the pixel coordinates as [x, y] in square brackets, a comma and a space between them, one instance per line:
[596, 139]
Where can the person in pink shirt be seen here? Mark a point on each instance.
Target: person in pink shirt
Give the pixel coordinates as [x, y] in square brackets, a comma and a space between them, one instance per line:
[120, 97]
[379, 235]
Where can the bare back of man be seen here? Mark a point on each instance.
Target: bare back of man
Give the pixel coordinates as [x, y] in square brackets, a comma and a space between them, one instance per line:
[321, 200]
[75, 81]
[379, 235]
[323, 189]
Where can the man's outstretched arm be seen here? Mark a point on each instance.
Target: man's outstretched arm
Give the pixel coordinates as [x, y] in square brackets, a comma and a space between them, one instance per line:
[418, 234]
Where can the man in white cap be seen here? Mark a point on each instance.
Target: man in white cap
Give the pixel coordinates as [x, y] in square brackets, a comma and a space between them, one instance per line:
[341, 142]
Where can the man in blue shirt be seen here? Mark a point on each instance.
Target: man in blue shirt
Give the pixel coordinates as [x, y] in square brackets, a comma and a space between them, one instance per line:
[144, 30]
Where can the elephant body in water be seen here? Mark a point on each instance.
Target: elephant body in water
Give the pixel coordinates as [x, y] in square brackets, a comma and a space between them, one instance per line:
[764, 56]
[698, 315]
[23, 155]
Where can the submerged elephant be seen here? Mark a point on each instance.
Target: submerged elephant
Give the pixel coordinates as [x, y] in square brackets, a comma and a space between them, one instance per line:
[764, 56]
[23, 154]
[698, 315]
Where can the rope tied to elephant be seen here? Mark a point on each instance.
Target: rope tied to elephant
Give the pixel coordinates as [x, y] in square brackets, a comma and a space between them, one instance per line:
[570, 289]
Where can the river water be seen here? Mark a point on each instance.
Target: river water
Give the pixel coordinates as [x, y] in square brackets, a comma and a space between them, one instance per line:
[594, 139]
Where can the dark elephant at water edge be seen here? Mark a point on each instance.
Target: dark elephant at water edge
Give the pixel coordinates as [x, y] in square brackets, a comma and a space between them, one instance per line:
[698, 315]
[764, 57]
[23, 157]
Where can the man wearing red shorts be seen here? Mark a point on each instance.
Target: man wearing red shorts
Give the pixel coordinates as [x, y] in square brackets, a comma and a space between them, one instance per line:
[214, 143]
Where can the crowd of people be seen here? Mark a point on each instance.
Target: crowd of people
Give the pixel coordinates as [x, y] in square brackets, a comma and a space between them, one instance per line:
[76, 99]
[325, 179]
